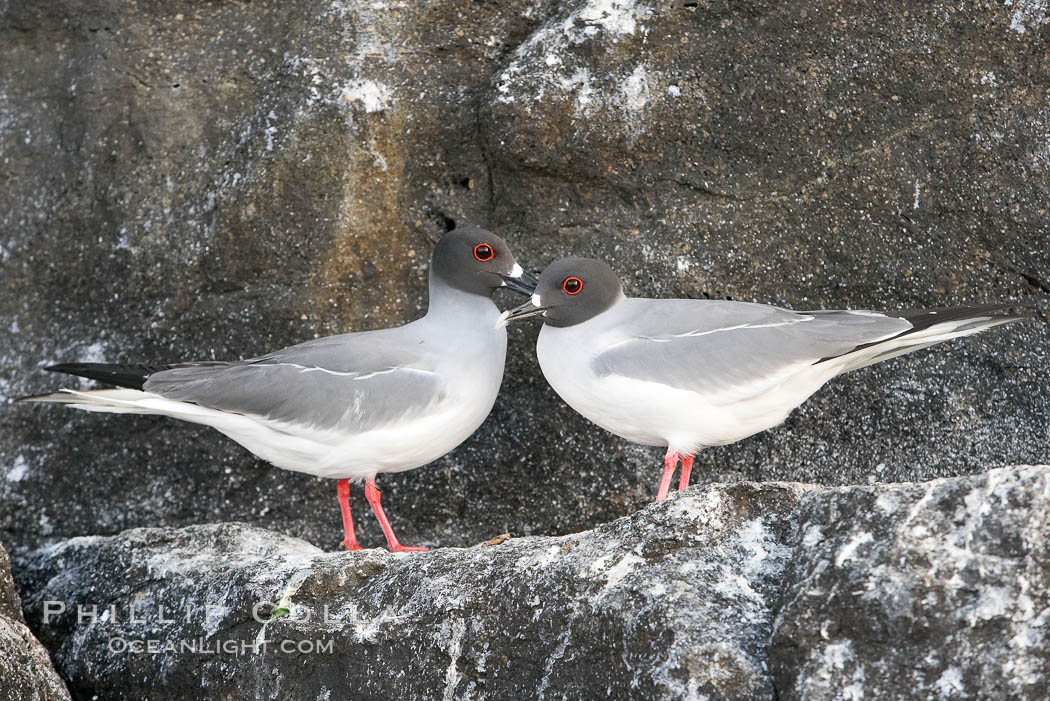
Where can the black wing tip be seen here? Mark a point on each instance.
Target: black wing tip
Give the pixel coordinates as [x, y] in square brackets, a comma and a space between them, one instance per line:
[924, 318]
[130, 376]
[71, 368]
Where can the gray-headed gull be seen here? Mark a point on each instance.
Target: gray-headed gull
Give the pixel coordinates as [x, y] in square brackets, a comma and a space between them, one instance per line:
[351, 406]
[688, 373]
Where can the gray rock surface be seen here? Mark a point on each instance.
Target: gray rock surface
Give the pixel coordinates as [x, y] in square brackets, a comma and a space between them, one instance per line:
[749, 591]
[26, 672]
[183, 181]
[936, 590]
[10, 605]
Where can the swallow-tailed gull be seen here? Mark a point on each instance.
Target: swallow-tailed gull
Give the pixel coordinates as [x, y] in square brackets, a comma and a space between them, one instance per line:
[351, 406]
[686, 374]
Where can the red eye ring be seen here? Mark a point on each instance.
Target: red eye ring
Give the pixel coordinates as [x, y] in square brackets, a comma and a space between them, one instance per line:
[572, 286]
[484, 252]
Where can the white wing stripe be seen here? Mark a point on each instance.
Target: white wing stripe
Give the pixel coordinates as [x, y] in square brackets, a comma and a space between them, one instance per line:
[354, 375]
[744, 326]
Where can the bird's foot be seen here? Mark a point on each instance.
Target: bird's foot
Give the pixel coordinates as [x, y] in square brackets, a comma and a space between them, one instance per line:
[350, 546]
[373, 497]
[398, 548]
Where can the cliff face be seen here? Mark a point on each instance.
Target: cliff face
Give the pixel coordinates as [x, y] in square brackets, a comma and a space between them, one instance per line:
[746, 592]
[187, 181]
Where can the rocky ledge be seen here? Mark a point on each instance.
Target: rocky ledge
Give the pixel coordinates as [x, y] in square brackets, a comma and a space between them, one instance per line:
[750, 591]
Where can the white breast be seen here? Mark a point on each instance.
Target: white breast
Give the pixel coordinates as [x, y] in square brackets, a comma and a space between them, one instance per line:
[638, 411]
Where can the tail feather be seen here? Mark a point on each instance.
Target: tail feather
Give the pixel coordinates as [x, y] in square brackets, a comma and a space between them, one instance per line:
[59, 397]
[929, 327]
[119, 401]
[123, 401]
[130, 376]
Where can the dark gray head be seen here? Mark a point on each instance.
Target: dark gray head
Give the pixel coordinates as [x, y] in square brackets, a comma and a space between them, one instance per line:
[571, 291]
[474, 260]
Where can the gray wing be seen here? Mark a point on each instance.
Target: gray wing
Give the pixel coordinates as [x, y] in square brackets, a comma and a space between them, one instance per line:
[354, 382]
[713, 347]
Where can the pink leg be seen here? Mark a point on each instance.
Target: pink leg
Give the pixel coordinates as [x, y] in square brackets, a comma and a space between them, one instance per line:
[349, 539]
[687, 465]
[372, 495]
[670, 460]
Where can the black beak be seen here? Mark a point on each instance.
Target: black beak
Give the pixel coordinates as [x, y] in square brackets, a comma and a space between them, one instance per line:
[523, 284]
[523, 311]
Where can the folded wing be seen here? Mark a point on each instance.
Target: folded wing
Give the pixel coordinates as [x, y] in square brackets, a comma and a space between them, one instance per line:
[731, 350]
[354, 382]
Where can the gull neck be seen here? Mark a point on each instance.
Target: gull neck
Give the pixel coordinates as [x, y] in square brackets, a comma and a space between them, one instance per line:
[450, 304]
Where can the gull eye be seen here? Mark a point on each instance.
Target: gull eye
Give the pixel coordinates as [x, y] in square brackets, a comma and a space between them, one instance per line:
[484, 252]
[572, 285]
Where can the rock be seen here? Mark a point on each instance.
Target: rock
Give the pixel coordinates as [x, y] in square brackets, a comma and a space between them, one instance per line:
[26, 672]
[673, 599]
[749, 591]
[10, 604]
[190, 181]
[920, 591]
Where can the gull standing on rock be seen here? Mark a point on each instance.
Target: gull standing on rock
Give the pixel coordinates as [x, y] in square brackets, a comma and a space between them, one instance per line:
[688, 373]
[347, 407]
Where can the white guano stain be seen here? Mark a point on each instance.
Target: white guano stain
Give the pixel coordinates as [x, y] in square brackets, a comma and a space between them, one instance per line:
[888, 502]
[1029, 14]
[580, 83]
[621, 569]
[271, 130]
[18, 470]
[367, 630]
[540, 559]
[813, 536]
[849, 550]
[552, 659]
[452, 675]
[617, 17]
[372, 95]
[95, 353]
[530, 70]
[950, 683]
[635, 96]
